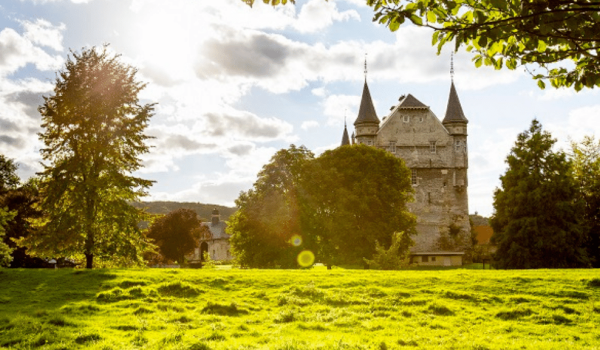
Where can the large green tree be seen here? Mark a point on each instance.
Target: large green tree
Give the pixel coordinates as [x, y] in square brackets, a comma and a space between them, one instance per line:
[353, 197]
[538, 218]
[266, 229]
[176, 234]
[8, 181]
[561, 36]
[93, 137]
[586, 165]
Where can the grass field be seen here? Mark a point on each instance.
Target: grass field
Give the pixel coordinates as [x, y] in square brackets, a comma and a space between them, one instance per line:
[299, 309]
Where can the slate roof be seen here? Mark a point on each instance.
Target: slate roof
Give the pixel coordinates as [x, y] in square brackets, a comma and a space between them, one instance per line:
[409, 101]
[217, 231]
[454, 112]
[366, 112]
[345, 138]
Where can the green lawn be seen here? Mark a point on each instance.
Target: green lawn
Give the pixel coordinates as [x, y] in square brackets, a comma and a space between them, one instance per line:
[299, 309]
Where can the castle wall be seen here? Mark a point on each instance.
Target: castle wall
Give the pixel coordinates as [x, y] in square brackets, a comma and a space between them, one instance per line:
[438, 160]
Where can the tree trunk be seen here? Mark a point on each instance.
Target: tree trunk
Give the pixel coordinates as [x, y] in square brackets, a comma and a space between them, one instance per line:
[89, 261]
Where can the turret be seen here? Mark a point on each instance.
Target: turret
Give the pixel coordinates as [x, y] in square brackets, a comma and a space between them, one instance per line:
[455, 120]
[345, 138]
[367, 123]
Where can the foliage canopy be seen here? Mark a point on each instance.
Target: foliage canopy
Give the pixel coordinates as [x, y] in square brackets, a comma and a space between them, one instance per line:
[561, 36]
[176, 234]
[586, 170]
[268, 216]
[538, 219]
[337, 206]
[93, 137]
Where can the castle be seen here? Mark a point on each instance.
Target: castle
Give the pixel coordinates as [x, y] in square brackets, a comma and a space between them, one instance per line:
[436, 153]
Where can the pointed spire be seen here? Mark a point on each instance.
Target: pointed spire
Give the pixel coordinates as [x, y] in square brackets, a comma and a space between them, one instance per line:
[454, 111]
[345, 138]
[366, 112]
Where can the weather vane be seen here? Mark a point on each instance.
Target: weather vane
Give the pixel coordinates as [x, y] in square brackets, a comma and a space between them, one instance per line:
[365, 66]
[452, 66]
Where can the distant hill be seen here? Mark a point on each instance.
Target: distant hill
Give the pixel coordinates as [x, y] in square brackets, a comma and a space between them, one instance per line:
[204, 211]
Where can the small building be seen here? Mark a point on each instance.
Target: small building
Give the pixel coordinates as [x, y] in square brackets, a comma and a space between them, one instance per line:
[214, 240]
[437, 258]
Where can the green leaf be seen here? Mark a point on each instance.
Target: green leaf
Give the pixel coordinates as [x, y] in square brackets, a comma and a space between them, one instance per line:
[477, 61]
[541, 84]
[541, 46]
[431, 17]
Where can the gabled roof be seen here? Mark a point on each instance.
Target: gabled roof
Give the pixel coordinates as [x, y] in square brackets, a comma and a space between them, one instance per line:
[345, 138]
[366, 112]
[409, 101]
[454, 112]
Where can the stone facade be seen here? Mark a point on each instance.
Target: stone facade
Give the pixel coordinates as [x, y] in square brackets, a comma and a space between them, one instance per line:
[436, 153]
[215, 241]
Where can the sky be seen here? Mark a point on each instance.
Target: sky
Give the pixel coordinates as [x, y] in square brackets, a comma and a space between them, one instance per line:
[236, 84]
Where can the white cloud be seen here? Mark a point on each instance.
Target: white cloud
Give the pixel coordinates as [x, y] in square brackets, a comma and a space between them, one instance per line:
[338, 107]
[16, 51]
[308, 124]
[316, 15]
[43, 33]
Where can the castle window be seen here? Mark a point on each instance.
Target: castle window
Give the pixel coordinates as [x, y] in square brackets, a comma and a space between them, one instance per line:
[421, 119]
[370, 143]
[392, 146]
[457, 146]
[406, 118]
[413, 177]
[424, 258]
[432, 147]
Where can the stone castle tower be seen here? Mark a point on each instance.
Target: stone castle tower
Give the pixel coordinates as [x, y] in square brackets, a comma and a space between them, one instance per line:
[436, 153]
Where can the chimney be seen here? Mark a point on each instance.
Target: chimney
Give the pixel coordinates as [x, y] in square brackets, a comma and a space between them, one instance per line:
[215, 217]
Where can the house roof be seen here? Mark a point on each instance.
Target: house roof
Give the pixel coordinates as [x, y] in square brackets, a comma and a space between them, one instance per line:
[217, 231]
[409, 102]
[454, 112]
[345, 138]
[484, 234]
[366, 112]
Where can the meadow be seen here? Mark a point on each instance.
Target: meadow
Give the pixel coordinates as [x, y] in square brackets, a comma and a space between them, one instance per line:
[299, 309]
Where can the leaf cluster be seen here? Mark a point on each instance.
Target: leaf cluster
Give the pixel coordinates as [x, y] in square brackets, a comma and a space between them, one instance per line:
[561, 36]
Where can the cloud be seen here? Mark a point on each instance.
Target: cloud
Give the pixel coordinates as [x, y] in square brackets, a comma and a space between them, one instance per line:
[308, 124]
[338, 107]
[43, 33]
[316, 15]
[16, 51]
[246, 125]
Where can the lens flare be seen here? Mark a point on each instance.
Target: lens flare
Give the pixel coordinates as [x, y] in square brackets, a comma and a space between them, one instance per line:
[306, 258]
[296, 240]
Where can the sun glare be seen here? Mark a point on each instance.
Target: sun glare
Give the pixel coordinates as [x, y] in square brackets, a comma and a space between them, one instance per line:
[169, 42]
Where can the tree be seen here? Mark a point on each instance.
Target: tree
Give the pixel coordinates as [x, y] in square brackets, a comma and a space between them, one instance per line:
[8, 174]
[538, 219]
[24, 203]
[93, 137]
[266, 229]
[176, 234]
[561, 36]
[393, 258]
[5, 250]
[353, 197]
[586, 167]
